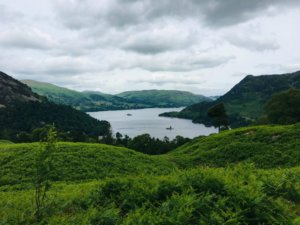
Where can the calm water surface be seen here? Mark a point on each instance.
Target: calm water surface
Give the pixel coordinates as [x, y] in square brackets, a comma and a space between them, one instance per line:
[147, 121]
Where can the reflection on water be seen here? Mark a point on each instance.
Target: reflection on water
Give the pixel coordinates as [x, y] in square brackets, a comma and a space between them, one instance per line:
[140, 121]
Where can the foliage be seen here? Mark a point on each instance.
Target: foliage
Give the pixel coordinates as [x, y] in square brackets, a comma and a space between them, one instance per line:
[264, 146]
[244, 102]
[284, 107]
[146, 144]
[77, 162]
[102, 184]
[14, 127]
[219, 116]
[236, 195]
[43, 166]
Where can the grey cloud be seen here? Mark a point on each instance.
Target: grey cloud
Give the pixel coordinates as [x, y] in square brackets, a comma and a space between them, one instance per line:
[172, 81]
[7, 15]
[54, 66]
[182, 63]
[253, 43]
[160, 40]
[120, 13]
[26, 38]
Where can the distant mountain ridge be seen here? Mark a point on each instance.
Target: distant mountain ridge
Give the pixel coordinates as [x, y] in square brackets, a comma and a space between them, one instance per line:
[98, 101]
[164, 98]
[245, 101]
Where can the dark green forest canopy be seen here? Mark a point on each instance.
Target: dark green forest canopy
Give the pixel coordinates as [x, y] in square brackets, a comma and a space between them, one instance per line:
[284, 107]
[28, 116]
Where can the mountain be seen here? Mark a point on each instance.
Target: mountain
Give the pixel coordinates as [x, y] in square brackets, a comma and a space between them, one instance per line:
[26, 111]
[98, 101]
[211, 180]
[245, 101]
[164, 98]
[12, 91]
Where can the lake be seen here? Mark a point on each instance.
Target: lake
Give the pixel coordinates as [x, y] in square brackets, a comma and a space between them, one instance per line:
[147, 121]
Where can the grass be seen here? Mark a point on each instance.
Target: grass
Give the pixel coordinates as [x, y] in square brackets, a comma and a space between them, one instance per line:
[5, 142]
[265, 146]
[78, 162]
[242, 176]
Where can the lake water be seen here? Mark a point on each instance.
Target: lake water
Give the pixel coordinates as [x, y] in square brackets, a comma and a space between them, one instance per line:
[147, 121]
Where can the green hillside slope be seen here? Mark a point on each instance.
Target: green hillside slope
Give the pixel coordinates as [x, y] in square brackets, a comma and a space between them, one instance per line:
[245, 100]
[265, 146]
[102, 184]
[77, 162]
[240, 195]
[164, 98]
[85, 101]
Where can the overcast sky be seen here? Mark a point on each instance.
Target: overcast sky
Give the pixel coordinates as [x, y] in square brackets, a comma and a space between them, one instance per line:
[203, 46]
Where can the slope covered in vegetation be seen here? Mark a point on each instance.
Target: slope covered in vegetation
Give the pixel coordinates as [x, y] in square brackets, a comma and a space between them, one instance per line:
[245, 101]
[13, 91]
[97, 101]
[77, 162]
[85, 101]
[239, 195]
[22, 111]
[21, 119]
[264, 146]
[164, 98]
[235, 177]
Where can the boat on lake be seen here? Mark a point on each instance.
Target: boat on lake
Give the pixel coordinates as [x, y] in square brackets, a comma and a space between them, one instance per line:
[128, 114]
[170, 128]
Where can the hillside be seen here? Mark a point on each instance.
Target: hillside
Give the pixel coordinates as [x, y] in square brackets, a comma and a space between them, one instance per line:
[12, 91]
[26, 111]
[84, 101]
[264, 146]
[77, 162]
[102, 184]
[98, 101]
[164, 98]
[245, 101]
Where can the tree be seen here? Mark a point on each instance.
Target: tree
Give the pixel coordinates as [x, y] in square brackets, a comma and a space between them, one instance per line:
[284, 107]
[119, 138]
[219, 116]
[43, 166]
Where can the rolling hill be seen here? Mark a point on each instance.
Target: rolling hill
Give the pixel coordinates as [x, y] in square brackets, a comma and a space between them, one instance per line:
[208, 181]
[84, 101]
[245, 101]
[263, 146]
[98, 101]
[164, 98]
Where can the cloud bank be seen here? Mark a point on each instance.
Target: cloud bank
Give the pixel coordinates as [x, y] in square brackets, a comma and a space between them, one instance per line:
[119, 45]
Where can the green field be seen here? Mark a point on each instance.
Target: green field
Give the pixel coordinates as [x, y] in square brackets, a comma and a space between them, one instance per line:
[243, 176]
